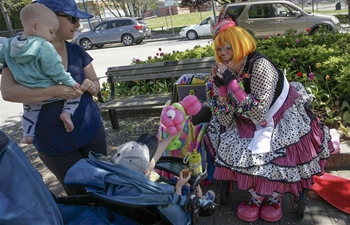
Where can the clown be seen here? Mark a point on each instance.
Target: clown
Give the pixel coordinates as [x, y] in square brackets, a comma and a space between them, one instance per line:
[262, 132]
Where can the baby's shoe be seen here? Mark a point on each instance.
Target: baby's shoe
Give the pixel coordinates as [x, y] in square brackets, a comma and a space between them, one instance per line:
[249, 210]
[271, 210]
[209, 195]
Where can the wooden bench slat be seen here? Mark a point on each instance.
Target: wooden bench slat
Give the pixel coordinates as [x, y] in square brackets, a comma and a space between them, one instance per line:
[174, 74]
[136, 101]
[155, 70]
[161, 64]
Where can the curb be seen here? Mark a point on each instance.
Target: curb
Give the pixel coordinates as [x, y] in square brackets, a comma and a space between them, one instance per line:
[341, 160]
[162, 37]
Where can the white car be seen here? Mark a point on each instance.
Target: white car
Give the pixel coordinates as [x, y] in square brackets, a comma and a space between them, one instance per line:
[193, 32]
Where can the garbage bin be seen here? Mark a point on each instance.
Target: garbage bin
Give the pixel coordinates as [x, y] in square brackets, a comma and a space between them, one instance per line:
[338, 6]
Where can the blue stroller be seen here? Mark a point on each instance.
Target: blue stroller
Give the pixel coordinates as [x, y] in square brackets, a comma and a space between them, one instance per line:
[25, 198]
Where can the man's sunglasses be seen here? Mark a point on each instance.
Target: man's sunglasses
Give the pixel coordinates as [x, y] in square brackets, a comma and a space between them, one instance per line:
[71, 19]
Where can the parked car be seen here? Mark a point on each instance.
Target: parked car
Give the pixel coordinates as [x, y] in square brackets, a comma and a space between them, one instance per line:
[145, 25]
[126, 30]
[3, 41]
[202, 29]
[273, 18]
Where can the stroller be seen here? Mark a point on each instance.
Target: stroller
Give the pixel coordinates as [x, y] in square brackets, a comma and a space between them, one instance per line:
[25, 198]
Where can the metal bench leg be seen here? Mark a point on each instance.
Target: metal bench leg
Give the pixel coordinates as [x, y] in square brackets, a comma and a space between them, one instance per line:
[114, 119]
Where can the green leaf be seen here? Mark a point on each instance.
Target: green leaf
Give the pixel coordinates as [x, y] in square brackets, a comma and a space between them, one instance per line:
[329, 112]
[346, 117]
[344, 105]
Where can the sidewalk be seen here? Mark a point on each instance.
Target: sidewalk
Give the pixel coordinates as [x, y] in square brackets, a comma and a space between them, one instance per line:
[318, 211]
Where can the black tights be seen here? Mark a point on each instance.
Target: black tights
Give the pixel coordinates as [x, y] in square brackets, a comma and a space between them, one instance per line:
[60, 164]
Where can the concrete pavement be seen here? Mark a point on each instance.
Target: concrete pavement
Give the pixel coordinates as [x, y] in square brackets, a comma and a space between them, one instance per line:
[317, 212]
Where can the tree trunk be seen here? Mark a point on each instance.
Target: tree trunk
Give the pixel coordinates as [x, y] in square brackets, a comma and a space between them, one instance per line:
[6, 19]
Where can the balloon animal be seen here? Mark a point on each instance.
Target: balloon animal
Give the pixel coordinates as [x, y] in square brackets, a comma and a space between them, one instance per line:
[174, 116]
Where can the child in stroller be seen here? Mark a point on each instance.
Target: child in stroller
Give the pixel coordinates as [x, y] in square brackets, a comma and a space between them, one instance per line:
[142, 156]
[124, 178]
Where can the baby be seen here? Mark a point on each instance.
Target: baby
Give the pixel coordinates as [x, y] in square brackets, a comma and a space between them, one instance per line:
[35, 63]
[141, 155]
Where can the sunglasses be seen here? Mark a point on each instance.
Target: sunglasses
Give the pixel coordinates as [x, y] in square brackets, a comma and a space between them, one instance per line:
[71, 19]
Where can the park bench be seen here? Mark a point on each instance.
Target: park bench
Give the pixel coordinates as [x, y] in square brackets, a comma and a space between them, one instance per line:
[147, 71]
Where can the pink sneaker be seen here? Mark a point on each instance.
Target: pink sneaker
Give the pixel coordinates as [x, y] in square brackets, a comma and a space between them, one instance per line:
[249, 210]
[271, 211]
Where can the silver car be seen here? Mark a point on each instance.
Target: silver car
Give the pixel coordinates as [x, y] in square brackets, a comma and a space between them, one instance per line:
[273, 18]
[126, 30]
[145, 26]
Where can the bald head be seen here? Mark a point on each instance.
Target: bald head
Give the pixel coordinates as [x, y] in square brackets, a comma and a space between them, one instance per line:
[35, 16]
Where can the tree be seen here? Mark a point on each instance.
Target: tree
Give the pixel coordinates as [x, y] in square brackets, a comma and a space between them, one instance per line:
[223, 2]
[10, 10]
[131, 8]
[6, 18]
[193, 3]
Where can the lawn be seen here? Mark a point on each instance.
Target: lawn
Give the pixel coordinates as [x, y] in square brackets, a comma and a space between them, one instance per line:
[180, 20]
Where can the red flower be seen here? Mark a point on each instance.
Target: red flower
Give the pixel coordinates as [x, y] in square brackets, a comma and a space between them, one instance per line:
[157, 53]
[266, 37]
[307, 30]
[299, 74]
[149, 57]
[137, 60]
[161, 54]
[278, 35]
[160, 49]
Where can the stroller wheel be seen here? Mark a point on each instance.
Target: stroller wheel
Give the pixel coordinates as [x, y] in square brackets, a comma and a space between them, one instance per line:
[301, 204]
[224, 192]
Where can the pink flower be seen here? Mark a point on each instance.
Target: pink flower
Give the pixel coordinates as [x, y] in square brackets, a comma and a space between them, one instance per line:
[137, 60]
[294, 60]
[161, 54]
[297, 40]
[266, 37]
[311, 76]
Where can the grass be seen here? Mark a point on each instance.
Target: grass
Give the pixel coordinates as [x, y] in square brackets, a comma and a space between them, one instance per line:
[180, 20]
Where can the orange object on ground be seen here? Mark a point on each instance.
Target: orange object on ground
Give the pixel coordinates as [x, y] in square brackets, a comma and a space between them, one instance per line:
[334, 189]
